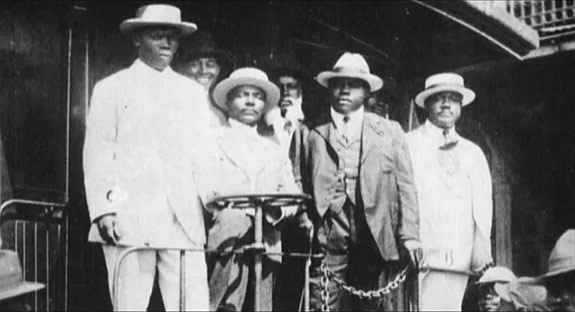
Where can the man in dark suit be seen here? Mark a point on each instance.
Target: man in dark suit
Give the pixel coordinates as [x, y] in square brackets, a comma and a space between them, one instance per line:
[356, 165]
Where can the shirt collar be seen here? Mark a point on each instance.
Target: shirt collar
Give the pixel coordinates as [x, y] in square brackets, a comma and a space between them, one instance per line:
[435, 131]
[146, 70]
[243, 128]
[355, 117]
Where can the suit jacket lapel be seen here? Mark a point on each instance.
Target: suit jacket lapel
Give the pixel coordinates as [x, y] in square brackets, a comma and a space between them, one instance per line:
[229, 146]
[325, 128]
[372, 135]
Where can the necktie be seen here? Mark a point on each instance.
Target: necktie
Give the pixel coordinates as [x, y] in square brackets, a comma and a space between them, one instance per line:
[345, 128]
[447, 154]
[288, 126]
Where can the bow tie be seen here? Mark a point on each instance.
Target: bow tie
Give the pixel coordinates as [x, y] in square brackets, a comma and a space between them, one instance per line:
[449, 141]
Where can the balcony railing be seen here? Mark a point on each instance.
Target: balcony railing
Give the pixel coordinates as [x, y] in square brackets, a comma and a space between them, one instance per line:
[553, 19]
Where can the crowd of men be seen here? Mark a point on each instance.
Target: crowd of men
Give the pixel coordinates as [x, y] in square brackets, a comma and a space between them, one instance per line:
[162, 143]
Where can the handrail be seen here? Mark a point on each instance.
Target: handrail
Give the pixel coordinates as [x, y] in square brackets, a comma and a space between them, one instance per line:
[13, 201]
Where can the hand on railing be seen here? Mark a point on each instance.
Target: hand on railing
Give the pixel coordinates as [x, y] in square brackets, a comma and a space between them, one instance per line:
[306, 225]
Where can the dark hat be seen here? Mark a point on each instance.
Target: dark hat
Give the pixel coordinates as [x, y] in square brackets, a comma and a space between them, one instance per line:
[12, 282]
[202, 44]
[277, 64]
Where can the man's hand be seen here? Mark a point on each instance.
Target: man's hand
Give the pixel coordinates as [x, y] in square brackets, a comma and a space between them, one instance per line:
[306, 225]
[273, 214]
[108, 230]
[414, 249]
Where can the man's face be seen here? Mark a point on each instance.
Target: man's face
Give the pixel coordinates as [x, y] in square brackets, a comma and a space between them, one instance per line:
[444, 108]
[204, 70]
[561, 292]
[488, 298]
[246, 103]
[157, 45]
[291, 90]
[347, 94]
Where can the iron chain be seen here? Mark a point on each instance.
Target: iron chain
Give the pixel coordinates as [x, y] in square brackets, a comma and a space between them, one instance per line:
[370, 294]
[324, 289]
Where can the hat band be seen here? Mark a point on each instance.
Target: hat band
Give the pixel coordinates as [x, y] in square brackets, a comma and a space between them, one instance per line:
[438, 85]
[341, 69]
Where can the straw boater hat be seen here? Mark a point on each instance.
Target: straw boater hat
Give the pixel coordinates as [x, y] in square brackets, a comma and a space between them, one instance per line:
[156, 15]
[12, 282]
[445, 82]
[246, 76]
[202, 44]
[351, 65]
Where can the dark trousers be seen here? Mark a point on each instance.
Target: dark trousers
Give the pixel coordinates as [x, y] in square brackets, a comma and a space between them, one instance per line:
[229, 274]
[353, 256]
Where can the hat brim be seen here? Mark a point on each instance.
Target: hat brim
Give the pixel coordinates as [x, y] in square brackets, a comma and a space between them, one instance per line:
[225, 86]
[20, 289]
[375, 83]
[468, 94]
[541, 278]
[130, 25]
[502, 289]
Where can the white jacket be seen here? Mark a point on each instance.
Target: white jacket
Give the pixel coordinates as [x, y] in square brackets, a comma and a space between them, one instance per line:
[142, 132]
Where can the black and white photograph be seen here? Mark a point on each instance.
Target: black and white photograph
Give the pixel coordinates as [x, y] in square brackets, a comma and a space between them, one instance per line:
[287, 155]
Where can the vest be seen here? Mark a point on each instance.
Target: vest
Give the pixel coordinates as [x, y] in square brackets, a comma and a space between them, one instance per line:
[347, 170]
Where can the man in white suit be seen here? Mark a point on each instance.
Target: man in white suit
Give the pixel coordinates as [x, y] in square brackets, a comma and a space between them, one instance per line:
[141, 132]
[244, 162]
[454, 194]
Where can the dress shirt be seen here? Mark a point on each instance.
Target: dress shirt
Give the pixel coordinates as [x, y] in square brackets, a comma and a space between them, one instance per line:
[243, 128]
[354, 123]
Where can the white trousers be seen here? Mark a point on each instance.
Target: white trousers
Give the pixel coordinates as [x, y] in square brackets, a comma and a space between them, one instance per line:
[441, 291]
[137, 278]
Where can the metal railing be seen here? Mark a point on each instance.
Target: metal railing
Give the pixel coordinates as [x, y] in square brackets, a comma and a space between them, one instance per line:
[553, 19]
[37, 234]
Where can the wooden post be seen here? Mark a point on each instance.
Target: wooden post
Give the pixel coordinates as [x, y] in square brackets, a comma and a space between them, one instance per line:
[502, 216]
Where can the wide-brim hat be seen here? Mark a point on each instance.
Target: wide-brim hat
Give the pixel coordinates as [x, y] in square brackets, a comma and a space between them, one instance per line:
[562, 258]
[247, 76]
[445, 82]
[12, 283]
[202, 44]
[351, 65]
[158, 15]
[497, 274]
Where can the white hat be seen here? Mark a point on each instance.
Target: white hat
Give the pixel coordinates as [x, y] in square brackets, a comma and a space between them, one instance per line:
[247, 76]
[12, 282]
[562, 258]
[445, 82]
[351, 65]
[497, 274]
[158, 14]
